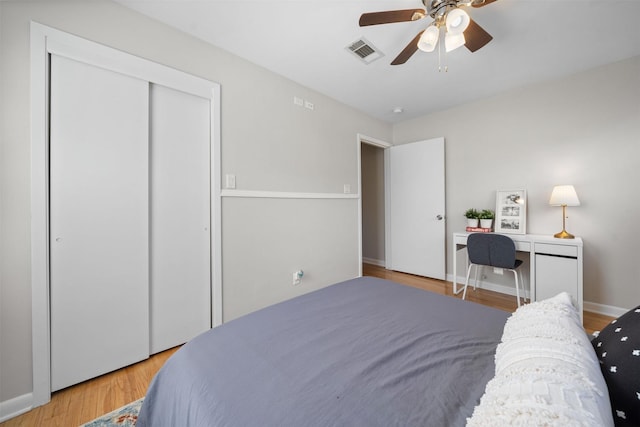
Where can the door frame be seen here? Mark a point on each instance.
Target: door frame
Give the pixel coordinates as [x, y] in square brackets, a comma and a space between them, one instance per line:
[363, 139]
[45, 41]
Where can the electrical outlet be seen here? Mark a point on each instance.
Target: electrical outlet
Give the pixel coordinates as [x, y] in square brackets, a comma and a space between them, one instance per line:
[498, 271]
[297, 277]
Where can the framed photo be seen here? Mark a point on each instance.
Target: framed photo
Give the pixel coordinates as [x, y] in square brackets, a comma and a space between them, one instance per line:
[511, 211]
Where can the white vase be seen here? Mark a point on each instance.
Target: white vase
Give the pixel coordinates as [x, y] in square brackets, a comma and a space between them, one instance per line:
[472, 222]
[486, 223]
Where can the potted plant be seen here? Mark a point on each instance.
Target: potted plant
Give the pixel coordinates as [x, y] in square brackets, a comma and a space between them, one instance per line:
[472, 216]
[486, 218]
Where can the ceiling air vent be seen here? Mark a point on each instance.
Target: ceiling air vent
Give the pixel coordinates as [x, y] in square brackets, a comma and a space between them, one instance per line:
[364, 50]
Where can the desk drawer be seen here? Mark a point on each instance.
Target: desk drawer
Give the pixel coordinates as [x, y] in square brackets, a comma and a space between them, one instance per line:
[561, 250]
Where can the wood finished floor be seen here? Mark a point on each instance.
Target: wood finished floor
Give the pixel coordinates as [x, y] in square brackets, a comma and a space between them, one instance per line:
[592, 321]
[86, 401]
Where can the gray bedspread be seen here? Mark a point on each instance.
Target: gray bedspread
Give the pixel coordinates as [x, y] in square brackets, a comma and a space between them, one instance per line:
[365, 352]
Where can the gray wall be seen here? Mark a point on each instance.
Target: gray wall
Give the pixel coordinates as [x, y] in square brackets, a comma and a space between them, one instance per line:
[582, 130]
[267, 142]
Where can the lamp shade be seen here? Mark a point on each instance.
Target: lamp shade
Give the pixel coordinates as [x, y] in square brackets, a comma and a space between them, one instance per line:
[429, 39]
[457, 21]
[564, 195]
[453, 41]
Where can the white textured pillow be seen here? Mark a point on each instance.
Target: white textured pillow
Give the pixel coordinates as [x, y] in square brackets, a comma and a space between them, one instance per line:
[547, 373]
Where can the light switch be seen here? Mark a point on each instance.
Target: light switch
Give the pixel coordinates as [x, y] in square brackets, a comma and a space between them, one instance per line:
[230, 181]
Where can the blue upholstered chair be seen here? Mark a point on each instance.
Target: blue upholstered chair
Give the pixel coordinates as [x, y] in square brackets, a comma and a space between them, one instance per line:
[493, 250]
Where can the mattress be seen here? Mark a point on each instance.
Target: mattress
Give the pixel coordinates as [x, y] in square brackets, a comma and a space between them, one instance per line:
[365, 352]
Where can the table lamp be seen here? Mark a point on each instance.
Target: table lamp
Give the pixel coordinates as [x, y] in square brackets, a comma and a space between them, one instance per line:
[564, 195]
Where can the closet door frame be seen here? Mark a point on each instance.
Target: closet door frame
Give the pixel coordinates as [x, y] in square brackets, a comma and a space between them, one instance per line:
[46, 41]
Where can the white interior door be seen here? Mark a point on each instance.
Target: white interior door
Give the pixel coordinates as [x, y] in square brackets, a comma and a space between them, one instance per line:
[180, 217]
[98, 221]
[417, 208]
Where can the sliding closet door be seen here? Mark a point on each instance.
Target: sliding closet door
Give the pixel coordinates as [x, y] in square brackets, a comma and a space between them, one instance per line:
[98, 221]
[180, 217]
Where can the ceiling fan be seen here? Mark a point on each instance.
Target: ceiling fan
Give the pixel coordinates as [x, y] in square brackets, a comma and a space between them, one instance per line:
[449, 18]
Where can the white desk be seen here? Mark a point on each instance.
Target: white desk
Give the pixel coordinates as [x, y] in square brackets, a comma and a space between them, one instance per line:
[555, 265]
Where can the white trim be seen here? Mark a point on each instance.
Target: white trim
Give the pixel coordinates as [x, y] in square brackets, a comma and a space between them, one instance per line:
[378, 262]
[359, 235]
[373, 141]
[247, 194]
[606, 310]
[44, 41]
[108, 58]
[489, 286]
[17, 406]
[216, 210]
[41, 349]
[592, 307]
[387, 209]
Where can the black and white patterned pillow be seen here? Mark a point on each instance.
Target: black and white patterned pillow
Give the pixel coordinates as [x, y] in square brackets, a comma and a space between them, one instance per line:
[618, 349]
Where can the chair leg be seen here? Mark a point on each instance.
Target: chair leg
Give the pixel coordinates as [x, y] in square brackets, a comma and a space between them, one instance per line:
[515, 274]
[524, 292]
[475, 279]
[466, 283]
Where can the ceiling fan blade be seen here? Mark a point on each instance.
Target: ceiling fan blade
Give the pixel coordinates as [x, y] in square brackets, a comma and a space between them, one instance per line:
[480, 3]
[391, 16]
[408, 51]
[475, 36]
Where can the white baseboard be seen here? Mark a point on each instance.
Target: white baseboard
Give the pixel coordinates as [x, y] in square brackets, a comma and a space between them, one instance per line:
[378, 262]
[13, 407]
[606, 310]
[509, 290]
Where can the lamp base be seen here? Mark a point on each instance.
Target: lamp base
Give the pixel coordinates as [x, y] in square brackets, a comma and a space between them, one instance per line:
[564, 235]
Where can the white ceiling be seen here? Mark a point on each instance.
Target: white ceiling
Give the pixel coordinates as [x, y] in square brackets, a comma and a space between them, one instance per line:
[306, 40]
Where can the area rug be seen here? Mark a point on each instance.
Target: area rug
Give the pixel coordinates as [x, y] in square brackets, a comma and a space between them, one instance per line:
[123, 417]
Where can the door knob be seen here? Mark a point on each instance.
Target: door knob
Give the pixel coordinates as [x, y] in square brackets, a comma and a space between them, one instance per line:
[439, 217]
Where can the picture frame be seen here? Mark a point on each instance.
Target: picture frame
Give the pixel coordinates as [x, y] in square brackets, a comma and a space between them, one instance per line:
[511, 212]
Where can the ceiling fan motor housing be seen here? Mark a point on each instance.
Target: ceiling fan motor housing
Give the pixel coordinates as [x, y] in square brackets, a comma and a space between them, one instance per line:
[437, 9]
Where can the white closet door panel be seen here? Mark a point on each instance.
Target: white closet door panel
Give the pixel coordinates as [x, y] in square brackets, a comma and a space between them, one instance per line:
[98, 221]
[180, 217]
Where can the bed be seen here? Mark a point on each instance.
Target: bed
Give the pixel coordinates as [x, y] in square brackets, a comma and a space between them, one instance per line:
[365, 352]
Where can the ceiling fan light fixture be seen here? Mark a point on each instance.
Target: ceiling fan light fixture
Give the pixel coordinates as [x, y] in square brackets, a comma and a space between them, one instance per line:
[429, 39]
[457, 21]
[453, 41]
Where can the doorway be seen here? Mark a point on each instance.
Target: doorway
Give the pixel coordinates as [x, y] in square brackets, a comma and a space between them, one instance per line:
[408, 233]
[373, 204]
[372, 237]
